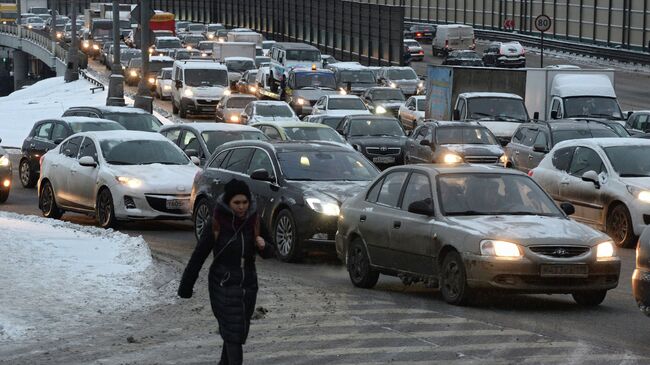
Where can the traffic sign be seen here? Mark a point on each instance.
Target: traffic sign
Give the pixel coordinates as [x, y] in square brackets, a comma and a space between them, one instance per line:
[135, 14]
[543, 23]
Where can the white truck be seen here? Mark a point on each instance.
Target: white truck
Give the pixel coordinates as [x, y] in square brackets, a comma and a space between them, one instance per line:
[222, 50]
[252, 37]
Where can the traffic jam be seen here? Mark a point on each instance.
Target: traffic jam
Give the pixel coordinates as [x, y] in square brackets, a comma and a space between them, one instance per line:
[443, 179]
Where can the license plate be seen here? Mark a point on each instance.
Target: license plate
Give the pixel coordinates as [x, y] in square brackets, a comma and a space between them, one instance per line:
[579, 271]
[176, 203]
[383, 159]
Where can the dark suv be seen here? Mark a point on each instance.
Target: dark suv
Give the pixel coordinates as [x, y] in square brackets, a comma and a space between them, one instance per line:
[134, 119]
[532, 141]
[47, 134]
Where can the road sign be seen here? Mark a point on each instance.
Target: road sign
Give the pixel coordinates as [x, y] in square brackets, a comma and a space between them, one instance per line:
[543, 23]
[135, 14]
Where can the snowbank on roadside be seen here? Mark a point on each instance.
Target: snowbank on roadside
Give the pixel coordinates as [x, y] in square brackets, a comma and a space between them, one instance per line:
[57, 275]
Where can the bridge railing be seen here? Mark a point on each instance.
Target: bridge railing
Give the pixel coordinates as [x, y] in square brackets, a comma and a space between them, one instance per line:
[40, 39]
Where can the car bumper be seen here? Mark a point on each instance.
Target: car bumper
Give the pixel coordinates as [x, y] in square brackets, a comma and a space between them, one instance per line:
[315, 229]
[641, 289]
[137, 205]
[511, 63]
[200, 106]
[524, 275]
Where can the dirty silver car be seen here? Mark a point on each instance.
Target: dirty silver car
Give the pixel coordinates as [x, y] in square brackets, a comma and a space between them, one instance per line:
[472, 228]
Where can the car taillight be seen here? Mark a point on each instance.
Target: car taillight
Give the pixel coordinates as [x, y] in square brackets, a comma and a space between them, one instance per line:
[421, 52]
[447, 43]
[418, 34]
[530, 173]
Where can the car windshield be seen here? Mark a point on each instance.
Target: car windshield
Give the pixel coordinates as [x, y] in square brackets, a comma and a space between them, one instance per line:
[135, 121]
[412, 43]
[466, 194]
[239, 102]
[464, 135]
[592, 106]
[214, 139]
[567, 134]
[35, 20]
[94, 126]
[214, 27]
[501, 109]
[387, 94]
[421, 105]
[142, 152]
[357, 76]
[251, 77]
[465, 55]
[629, 161]
[206, 46]
[274, 110]
[326, 166]
[166, 74]
[331, 121]
[196, 27]
[267, 45]
[135, 62]
[314, 80]
[168, 43]
[303, 55]
[346, 104]
[375, 127]
[240, 65]
[402, 74]
[195, 39]
[156, 66]
[102, 33]
[206, 77]
[39, 10]
[127, 54]
[313, 134]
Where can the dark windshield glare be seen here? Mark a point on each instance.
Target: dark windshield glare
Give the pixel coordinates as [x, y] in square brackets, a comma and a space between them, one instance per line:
[127, 54]
[214, 139]
[629, 161]
[206, 77]
[357, 76]
[402, 74]
[267, 110]
[206, 46]
[592, 106]
[313, 134]
[464, 135]
[317, 80]
[136, 122]
[332, 122]
[305, 55]
[388, 94]
[142, 152]
[325, 166]
[168, 43]
[135, 62]
[240, 65]
[375, 127]
[564, 135]
[196, 27]
[156, 66]
[166, 74]
[346, 104]
[464, 55]
[94, 126]
[503, 109]
[492, 194]
[238, 102]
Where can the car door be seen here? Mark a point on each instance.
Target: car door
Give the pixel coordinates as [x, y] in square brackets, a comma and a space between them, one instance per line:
[413, 246]
[83, 179]
[65, 174]
[271, 132]
[551, 178]
[535, 157]
[42, 141]
[190, 144]
[173, 134]
[266, 192]
[417, 152]
[587, 198]
[523, 154]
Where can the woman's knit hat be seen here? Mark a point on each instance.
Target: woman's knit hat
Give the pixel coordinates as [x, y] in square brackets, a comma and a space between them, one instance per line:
[235, 187]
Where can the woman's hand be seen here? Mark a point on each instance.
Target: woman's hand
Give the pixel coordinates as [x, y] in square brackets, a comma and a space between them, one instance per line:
[260, 243]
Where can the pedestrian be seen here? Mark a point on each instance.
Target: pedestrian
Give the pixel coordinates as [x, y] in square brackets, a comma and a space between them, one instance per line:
[232, 279]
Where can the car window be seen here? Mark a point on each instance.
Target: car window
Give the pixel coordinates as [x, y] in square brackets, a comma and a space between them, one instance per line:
[44, 131]
[541, 139]
[238, 160]
[418, 188]
[260, 160]
[529, 137]
[271, 132]
[391, 188]
[373, 193]
[88, 149]
[219, 159]
[172, 135]
[59, 132]
[562, 158]
[585, 159]
[642, 122]
[518, 136]
[190, 142]
[71, 149]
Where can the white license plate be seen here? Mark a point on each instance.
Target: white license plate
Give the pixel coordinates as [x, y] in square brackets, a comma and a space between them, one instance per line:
[383, 159]
[568, 270]
[176, 203]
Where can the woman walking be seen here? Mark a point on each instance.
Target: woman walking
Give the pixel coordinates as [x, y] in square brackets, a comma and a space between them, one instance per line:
[232, 279]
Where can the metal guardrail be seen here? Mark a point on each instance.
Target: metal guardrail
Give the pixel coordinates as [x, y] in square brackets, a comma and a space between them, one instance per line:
[98, 84]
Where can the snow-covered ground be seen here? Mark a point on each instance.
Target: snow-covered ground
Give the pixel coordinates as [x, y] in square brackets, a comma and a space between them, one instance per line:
[56, 276]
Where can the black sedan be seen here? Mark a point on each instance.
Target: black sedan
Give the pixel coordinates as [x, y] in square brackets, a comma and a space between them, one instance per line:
[381, 139]
[463, 58]
[5, 175]
[453, 143]
[298, 187]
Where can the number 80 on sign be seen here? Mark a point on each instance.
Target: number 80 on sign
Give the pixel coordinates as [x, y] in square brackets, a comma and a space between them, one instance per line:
[543, 23]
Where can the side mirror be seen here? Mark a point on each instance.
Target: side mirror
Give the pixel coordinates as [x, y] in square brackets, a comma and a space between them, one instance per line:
[456, 115]
[411, 107]
[540, 148]
[195, 160]
[262, 175]
[192, 153]
[568, 208]
[591, 176]
[87, 161]
[179, 84]
[58, 141]
[553, 114]
[536, 115]
[422, 207]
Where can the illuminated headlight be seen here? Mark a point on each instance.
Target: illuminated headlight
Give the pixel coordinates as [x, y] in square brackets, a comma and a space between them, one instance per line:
[86, 44]
[95, 47]
[605, 250]
[188, 93]
[29, 27]
[234, 118]
[227, 92]
[4, 161]
[300, 101]
[204, 55]
[252, 89]
[421, 84]
[152, 80]
[131, 182]
[133, 73]
[452, 158]
[642, 195]
[150, 50]
[59, 35]
[380, 110]
[189, 48]
[6, 183]
[167, 87]
[210, 36]
[327, 208]
[393, 85]
[342, 91]
[503, 160]
[500, 249]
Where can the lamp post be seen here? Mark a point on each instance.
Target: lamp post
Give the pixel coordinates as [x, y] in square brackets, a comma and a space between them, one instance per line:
[116, 81]
[72, 61]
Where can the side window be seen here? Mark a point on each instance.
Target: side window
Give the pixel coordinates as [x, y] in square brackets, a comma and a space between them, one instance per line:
[529, 137]
[562, 158]
[59, 132]
[585, 159]
[88, 149]
[555, 106]
[172, 135]
[461, 109]
[44, 130]
[541, 139]
[219, 159]
[642, 122]
[391, 188]
[248, 110]
[422, 132]
[373, 193]
[72, 147]
[518, 136]
[418, 188]
[238, 160]
[260, 160]
[631, 122]
[271, 132]
[190, 142]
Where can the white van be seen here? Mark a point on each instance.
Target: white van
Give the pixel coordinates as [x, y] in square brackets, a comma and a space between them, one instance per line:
[251, 37]
[197, 86]
[285, 56]
[452, 37]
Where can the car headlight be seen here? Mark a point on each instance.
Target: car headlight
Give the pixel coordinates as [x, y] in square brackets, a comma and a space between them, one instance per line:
[167, 87]
[133, 73]
[4, 161]
[252, 89]
[500, 249]
[6, 183]
[421, 84]
[59, 35]
[380, 110]
[188, 93]
[189, 48]
[86, 44]
[452, 158]
[300, 101]
[29, 27]
[131, 182]
[152, 80]
[227, 92]
[393, 85]
[95, 47]
[503, 160]
[204, 55]
[211, 36]
[342, 91]
[605, 250]
[642, 195]
[234, 118]
[327, 208]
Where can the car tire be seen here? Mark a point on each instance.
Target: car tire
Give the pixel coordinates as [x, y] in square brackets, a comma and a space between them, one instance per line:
[619, 226]
[174, 108]
[285, 236]
[27, 176]
[453, 281]
[48, 202]
[361, 273]
[590, 298]
[4, 195]
[105, 210]
[202, 220]
[182, 112]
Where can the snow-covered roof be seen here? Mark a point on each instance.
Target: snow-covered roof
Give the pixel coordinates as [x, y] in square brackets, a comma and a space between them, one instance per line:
[582, 85]
[419, 97]
[167, 38]
[604, 142]
[161, 59]
[124, 135]
[85, 120]
[237, 58]
[339, 96]
[292, 124]
[270, 102]
[201, 64]
[211, 126]
[490, 95]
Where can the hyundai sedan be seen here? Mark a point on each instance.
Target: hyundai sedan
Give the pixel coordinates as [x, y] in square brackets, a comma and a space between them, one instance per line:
[469, 229]
[116, 176]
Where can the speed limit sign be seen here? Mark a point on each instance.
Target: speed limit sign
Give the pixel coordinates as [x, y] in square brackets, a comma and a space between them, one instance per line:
[543, 23]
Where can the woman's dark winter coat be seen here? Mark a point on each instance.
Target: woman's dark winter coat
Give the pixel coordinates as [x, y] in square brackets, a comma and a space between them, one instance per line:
[233, 278]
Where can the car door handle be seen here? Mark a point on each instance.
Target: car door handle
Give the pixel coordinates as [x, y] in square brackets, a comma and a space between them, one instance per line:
[397, 224]
[362, 218]
[530, 157]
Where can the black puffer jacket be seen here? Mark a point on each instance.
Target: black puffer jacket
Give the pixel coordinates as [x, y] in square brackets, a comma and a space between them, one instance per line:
[233, 277]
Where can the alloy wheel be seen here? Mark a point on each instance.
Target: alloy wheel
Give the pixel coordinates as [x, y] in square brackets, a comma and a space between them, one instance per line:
[284, 235]
[201, 219]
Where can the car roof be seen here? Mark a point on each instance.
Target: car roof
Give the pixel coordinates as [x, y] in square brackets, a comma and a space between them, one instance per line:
[125, 135]
[237, 58]
[84, 120]
[112, 109]
[369, 116]
[292, 125]
[604, 142]
[167, 38]
[453, 123]
[200, 64]
[373, 88]
[294, 45]
[269, 102]
[339, 96]
[291, 145]
[569, 124]
[462, 168]
[309, 70]
[490, 95]
[160, 59]
[210, 126]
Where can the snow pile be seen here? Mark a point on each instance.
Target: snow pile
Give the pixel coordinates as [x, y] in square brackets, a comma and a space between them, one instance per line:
[56, 275]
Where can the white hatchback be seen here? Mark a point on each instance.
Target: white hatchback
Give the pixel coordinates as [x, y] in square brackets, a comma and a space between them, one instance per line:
[340, 105]
[117, 176]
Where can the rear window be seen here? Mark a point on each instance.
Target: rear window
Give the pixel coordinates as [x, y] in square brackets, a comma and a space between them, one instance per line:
[94, 126]
[214, 139]
[564, 135]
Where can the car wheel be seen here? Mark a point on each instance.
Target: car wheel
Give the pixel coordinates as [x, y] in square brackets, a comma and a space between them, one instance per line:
[453, 281]
[286, 237]
[27, 176]
[4, 195]
[105, 210]
[182, 112]
[590, 298]
[202, 219]
[48, 202]
[619, 226]
[361, 273]
[174, 108]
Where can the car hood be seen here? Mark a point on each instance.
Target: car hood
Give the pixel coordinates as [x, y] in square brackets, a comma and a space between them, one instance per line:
[501, 128]
[346, 112]
[258, 119]
[474, 149]
[389, 104]
[214, 92]
[370, 141]
[159, 178]
[637, 182]
[406, 82]
[528, 230]
[338, 190]
[312, 94]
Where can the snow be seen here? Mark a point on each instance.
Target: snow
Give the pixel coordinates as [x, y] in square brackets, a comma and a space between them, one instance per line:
[56, 275]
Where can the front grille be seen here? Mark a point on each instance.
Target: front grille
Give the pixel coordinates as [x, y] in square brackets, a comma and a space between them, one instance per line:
[159, 202]
[207, 102]
[481, 159]
[383, 150]
[560, 251]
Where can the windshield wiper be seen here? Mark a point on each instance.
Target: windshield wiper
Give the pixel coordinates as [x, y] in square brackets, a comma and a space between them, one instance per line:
[383, 135]
[634, 175]
[471, 212]
[115, 162]
[477, 114]
[509, 119]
